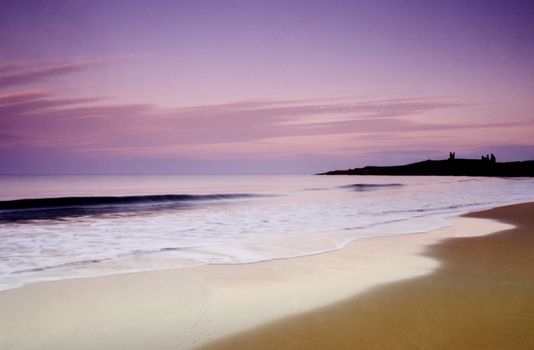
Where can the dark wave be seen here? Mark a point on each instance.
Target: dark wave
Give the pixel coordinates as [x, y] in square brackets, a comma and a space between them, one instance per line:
[317, 189]
[67, 264]
[62, 207]
[371, 187]
[39, 203]
[436, 210]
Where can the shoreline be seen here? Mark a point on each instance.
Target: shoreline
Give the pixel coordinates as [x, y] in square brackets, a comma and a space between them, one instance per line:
[328, 247]
[190, 307]
[480, 297]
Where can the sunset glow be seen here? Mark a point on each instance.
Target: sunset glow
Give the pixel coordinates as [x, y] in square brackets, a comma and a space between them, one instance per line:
[254, 87]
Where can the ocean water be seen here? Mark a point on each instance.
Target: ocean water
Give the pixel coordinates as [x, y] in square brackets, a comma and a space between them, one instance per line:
[67, 226]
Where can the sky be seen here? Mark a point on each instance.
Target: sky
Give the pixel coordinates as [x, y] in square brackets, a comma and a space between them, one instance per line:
[261, 86]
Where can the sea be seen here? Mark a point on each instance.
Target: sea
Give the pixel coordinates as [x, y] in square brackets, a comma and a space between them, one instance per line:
[55, 227]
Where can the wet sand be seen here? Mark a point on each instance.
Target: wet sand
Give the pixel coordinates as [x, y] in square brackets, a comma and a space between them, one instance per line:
[481, 297]
[406, 291]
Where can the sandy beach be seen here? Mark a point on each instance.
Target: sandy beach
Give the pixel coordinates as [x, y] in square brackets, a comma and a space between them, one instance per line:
[470, 285]
[480, 297]
[301, 175]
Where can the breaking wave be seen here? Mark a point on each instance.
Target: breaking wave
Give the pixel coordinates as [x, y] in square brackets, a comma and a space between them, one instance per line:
[371, 187]
[55, 208]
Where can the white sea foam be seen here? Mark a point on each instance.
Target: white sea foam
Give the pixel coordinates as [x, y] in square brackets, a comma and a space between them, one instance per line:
[306, 215]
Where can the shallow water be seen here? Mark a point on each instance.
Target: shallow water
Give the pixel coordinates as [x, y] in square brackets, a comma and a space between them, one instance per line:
[117, 224]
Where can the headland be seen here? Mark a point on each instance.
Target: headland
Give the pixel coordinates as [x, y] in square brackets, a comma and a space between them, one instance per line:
[486, 166]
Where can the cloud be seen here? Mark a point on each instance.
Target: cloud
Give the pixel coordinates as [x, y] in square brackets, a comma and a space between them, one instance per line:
[97, 126]
[21, 97]
[11, 67]
[16, 105]
[22, 73]
[38, 122]
[7, 137]
[148, 125]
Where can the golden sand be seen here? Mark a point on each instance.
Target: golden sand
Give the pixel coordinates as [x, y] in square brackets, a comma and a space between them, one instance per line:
[481, 297]
[470, 292]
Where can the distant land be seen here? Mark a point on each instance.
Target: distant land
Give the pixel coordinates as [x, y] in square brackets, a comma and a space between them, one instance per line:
[486, 166]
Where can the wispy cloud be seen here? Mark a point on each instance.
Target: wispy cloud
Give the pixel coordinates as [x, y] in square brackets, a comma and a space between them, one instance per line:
[83, 123]
[27, 72]
[40, 120]
[21, 97]
[40, 123]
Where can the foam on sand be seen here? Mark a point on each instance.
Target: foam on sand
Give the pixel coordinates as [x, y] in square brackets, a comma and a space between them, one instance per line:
[480, 297]
[184, 308]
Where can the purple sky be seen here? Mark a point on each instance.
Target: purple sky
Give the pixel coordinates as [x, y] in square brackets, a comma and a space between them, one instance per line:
[261, 86]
